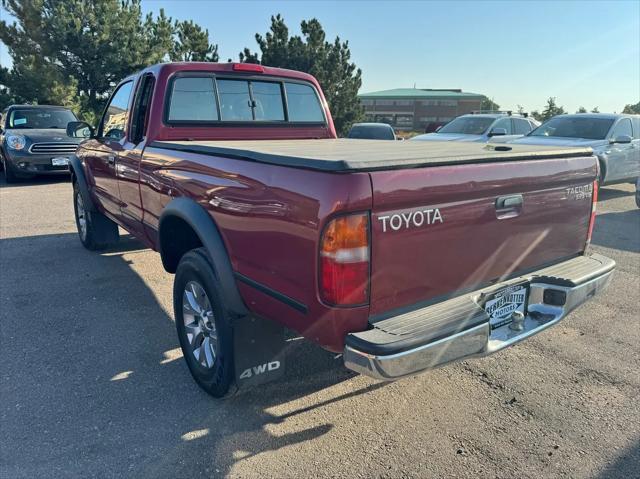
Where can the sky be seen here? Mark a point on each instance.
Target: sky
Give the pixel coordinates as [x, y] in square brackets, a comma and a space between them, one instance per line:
[585, 53]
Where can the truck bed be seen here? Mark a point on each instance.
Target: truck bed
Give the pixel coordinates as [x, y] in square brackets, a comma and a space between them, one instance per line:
[347, 155]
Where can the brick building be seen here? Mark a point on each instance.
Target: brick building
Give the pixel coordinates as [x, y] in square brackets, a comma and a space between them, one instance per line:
[417, 108]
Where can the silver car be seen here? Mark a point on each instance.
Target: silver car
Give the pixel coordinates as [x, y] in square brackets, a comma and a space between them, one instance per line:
[496, 127]
[615, 140]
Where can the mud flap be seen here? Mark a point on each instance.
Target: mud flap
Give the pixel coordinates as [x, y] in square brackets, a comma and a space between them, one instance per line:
[259, 346]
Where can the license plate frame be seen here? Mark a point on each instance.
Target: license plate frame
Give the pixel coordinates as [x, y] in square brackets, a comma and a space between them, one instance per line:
[60, 161]
[500, 305]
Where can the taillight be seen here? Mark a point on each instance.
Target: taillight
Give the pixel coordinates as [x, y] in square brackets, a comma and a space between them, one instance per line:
[344, 261]
[592, 219]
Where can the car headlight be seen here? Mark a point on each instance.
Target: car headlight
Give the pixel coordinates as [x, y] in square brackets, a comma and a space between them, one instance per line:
[16, 142]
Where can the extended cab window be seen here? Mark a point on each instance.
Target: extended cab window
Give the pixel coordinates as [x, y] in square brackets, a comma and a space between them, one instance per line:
[141, 107]
[114, 123]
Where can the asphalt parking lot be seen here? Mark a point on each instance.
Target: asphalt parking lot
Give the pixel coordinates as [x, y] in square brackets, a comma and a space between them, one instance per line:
[93, 384]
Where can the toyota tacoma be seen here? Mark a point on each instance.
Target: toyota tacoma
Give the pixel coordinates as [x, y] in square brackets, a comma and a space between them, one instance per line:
[402, 256]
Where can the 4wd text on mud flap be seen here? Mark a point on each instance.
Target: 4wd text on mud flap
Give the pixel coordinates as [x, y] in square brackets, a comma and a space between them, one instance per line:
[260, 369]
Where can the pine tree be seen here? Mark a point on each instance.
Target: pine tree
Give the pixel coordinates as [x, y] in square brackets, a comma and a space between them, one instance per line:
[73, 52]
[551, 110]
[329, 62]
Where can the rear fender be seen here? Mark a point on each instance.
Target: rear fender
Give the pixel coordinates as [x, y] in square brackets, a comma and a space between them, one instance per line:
[258, 343]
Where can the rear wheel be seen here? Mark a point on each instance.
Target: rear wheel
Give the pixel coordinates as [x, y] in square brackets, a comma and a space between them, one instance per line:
[203, 325]
[95, 230]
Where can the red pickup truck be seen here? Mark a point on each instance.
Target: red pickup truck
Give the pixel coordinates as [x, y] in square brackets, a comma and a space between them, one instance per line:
[403, 256]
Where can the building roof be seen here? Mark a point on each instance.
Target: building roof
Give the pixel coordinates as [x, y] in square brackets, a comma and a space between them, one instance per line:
[418, 93]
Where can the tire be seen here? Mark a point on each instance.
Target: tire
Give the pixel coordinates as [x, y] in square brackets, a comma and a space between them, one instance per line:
[203, 324]
[95, 230]
[9, 175]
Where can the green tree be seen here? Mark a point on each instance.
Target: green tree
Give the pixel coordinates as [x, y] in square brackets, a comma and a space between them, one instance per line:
[73, 52]
[536, 115]
[632, 109]
[595, 110]
[489, 105]
[192, 44]
[551, 109]
[581, 110]
[329, 62]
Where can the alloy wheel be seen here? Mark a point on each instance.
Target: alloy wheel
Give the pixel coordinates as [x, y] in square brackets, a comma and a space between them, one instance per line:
[199, 324]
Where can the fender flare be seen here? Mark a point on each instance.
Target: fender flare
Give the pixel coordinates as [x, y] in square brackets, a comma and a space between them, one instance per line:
[207, 231]
[77, 172]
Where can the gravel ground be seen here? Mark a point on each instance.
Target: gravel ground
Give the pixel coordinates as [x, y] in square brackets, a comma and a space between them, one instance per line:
[93, 384]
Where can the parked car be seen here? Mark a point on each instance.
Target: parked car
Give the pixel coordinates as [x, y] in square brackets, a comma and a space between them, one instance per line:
[33, 141]
[372, 131]
[615, 140]
[482, 127]
[403, 256]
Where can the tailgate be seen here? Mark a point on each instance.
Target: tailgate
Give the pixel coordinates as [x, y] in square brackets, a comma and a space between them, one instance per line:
[438, 231]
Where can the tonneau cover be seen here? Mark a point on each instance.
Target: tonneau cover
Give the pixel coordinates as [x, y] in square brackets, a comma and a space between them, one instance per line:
[344, 155]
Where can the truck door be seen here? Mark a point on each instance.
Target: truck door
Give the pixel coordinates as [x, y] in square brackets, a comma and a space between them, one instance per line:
[102, 152]
[128, 167]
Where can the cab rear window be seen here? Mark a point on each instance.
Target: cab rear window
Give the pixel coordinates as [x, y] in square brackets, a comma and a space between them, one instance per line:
[207, 99]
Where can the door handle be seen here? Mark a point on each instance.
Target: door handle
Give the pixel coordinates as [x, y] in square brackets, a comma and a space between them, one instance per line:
[111, 159]
[509, 202]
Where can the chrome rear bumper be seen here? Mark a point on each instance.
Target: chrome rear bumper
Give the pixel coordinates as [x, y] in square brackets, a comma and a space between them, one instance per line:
[467, 335]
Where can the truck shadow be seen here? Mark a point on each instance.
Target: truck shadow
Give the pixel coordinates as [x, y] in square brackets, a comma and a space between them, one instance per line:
[92, 369]
[625, 466]
[618, 230]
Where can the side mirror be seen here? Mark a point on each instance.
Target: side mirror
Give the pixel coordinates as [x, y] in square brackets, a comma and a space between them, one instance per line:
[399, 138]
[80, 129]
[498, 132]
[621, 139]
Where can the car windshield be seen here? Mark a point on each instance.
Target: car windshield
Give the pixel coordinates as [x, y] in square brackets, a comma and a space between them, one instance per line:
[468, 125]
[371, 132]
[575, 127]
[40, 118]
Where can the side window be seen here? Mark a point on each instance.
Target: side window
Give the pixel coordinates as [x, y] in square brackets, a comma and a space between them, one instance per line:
[503, 123]
[521, 127]
[303, 103]
[193, 99]
[141, 107]
[114, 122]
[622, 128]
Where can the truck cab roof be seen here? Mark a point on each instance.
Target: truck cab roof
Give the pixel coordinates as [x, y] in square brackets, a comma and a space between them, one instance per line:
[160, 127]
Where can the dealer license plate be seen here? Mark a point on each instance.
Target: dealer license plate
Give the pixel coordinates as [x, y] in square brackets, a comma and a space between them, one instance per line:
[59, 161]
[501, 305]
